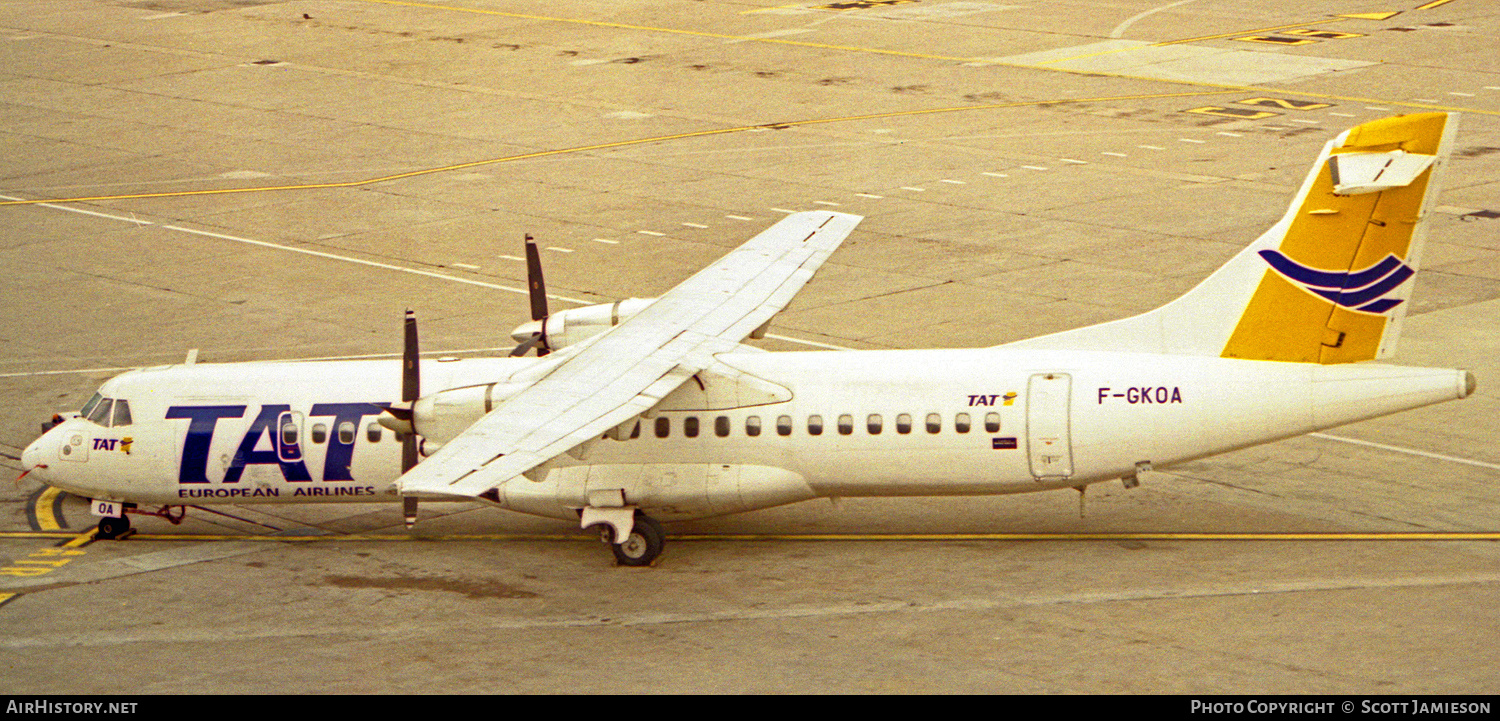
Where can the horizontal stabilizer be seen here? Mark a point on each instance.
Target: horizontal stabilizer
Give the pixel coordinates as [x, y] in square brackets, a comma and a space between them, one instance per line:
[1358, 173]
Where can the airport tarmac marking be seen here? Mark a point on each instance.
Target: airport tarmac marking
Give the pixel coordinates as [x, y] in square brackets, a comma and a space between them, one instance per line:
[42, 510]
[47, 560]
[1236, 113]
[819, 537]
[1284, 103]
[361, 261]
[1408, 451]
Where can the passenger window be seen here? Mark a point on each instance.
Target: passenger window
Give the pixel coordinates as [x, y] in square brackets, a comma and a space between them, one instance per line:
[721, 426]
[846, 424]
[815, 425]
[992, 423]
[122, 413]
[372, 432]
[346, 433]
[903, 423]
[289, 432]
[784, 425]
[690, 426]
[663, 427]
[934, 423]
[961, 423]
[873, 424]
[89, 407]
[101, 412]
[319, 433]
[752, 426]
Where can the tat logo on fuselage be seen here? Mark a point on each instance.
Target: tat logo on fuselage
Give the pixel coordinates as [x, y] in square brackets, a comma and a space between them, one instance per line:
[1359, 290]
[202, 420]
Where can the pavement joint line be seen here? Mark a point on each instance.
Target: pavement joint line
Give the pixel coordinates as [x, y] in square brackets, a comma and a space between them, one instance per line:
[49, 202]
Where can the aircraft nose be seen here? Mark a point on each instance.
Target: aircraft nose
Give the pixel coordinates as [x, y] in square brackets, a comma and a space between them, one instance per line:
[35, 455]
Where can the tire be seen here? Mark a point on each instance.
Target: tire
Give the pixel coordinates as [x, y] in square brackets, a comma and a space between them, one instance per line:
[643, 545]
[112, 527]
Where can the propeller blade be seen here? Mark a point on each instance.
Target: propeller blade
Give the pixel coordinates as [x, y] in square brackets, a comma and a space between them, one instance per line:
[534, 283]
[411, 390]
[526, 347]
[408, 452]
[411, 382]
[409, 510]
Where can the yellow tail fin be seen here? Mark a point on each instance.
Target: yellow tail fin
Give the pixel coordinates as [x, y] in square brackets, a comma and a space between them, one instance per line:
[1330, 282]
[1337, 285]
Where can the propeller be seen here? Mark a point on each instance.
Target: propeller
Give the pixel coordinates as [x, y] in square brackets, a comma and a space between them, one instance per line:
[536, 287]
[411, 390]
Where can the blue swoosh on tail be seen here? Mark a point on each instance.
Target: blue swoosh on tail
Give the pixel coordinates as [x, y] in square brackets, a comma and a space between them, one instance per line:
[1357, 289]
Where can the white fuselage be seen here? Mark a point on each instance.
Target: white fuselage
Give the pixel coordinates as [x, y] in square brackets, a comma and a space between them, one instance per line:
[924, 422]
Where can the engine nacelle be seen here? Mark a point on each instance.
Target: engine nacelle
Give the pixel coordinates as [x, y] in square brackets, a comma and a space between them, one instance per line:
[575, 325]
[440, 417]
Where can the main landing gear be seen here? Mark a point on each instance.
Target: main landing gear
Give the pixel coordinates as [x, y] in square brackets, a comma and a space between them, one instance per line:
[635, 537]
[642, 545]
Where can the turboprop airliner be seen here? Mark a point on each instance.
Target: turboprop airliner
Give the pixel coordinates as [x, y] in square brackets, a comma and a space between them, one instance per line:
[650, 410]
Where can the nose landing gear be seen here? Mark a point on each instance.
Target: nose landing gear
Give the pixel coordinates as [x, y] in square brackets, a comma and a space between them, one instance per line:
[112, 528]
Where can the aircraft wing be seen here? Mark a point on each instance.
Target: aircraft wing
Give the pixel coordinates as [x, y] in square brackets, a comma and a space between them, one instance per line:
[625, 371]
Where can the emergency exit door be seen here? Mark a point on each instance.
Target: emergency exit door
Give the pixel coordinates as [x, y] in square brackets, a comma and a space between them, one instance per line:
[1047, 439]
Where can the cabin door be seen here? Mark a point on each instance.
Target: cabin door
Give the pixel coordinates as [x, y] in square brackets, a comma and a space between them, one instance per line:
[1047, 439]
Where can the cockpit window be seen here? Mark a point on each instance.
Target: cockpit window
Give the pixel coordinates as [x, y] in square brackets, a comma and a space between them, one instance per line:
[122, 413]
[101, 412]
[89, 407]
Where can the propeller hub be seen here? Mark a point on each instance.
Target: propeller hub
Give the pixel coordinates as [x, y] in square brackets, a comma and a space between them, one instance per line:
[525, 331]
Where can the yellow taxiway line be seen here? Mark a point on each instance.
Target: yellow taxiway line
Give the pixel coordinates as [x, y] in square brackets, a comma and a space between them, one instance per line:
[617, 144]
[79, 539]
[45, 518]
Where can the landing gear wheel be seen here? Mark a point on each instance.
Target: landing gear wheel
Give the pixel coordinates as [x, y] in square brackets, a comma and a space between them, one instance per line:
[642, 545]
[112, 527]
